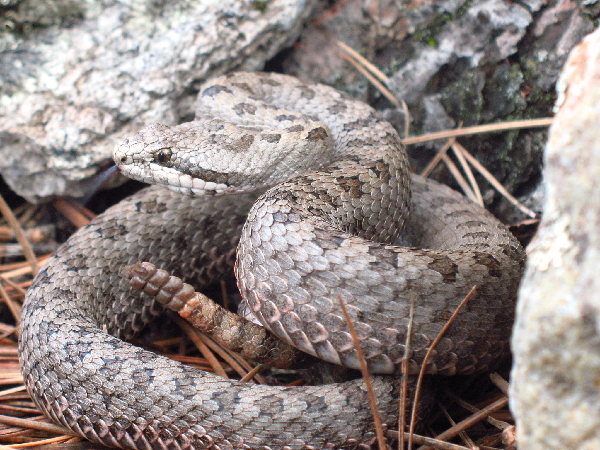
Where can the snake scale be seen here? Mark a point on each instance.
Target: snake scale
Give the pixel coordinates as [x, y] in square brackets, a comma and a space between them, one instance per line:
[325, 231]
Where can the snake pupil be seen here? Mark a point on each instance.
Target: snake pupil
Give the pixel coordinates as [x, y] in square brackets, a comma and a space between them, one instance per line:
[162, 156]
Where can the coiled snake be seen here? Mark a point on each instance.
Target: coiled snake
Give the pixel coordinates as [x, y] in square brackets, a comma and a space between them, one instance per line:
[324, 232]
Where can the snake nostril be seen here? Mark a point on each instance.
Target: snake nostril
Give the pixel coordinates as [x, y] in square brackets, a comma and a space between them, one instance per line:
[123, 159]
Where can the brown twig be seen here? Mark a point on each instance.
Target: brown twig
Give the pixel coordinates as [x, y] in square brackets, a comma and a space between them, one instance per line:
[466, 188]
[20, 235]
[437, 158]
[55, 440]
[406, 119]
[237, 363]
[434, 443]
[370, 71]
[404, 371]
[224, 295]
[479, 129]
[366, 376]
[35, 425]
[462, 433]
[364, 62]
[76, 213]
[495, 183]
[469, 421]
[15, 308]
[478, 198]
[413, 418]
[200, 345]
[253, 373]
[385, 91]
[500, 382]
[20, 291]
[7, 351]
[13, 390]
[22, 268]
[501, 425]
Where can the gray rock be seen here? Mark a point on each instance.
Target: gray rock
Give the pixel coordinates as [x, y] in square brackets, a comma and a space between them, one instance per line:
[487, 31]
[76, 77]
[555, 394]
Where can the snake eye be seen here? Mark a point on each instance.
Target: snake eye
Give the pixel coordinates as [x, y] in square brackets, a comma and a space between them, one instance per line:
[162, 156]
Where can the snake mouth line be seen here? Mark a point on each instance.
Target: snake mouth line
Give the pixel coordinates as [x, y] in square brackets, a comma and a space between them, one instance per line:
[177, 180]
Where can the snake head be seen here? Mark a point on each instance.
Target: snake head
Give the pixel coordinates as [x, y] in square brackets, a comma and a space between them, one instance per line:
[183, 158]
[211, 157]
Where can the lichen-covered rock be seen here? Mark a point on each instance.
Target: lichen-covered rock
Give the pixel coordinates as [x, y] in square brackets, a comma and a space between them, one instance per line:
[78, 76]
[555, 393]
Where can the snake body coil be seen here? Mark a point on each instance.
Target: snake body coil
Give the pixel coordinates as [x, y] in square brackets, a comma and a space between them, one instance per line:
[324, 234]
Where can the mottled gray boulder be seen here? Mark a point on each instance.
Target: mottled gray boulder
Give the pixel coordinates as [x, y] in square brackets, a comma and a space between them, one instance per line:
[78, 76]
[555, 394]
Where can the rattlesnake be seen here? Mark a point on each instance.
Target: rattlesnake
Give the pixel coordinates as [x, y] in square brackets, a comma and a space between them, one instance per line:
[308, 242]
